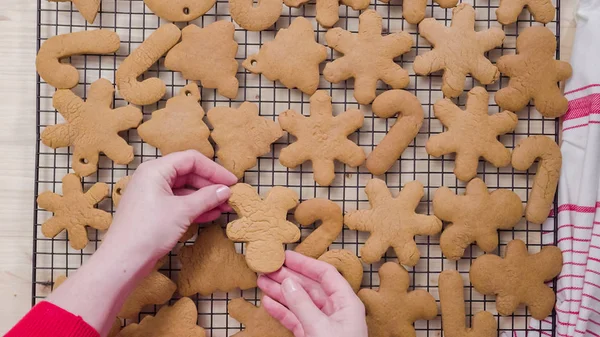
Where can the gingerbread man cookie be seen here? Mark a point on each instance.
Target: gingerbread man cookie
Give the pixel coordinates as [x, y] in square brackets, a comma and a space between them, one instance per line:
[368, 57]
[74, 210]
[87, 8]
[405, 129]
[509, 10]
[392, 222]
[258, 322]
[458, 50]
[213, 251]
[327, 11]
[180, 10]
[292, 58]
[242, 136]
[475, 217]
[177, 320]
[452, 303]
[471, 134]
[92, 127]
[545, 182]
[322, 138]
[518, 278]
[64, 75]
[179, 126]
[534, 74]
[392, 310]
[207, 55]
[414, 10]
[263, 225]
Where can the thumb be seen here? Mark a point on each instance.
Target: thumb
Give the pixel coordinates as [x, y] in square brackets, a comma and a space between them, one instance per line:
[300, 303]
[204, 200]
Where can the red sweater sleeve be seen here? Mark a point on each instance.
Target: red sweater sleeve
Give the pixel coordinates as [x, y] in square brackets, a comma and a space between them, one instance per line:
[47, 320]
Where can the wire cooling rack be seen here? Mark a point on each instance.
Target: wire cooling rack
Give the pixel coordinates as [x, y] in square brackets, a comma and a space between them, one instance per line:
[134, 22]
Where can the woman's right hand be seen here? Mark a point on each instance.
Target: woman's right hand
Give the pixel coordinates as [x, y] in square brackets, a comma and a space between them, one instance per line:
[312, 299]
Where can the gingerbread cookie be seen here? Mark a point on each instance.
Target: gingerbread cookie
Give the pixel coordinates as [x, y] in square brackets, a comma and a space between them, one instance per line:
[392, 222]
[452, 303]
[119, 190]
[332, 222]
[327, 11]
[207, 55]
[255, 18]
[241, 136]
[392, 310]
[292, 58]
[257, 320]
[534, 74]
[405, 129]
[154, 289]
[87, 8]
[262, 224]
[509, 10]
[414, 10]
[141, 59]
[472, 133]
[347, 263]
[92, 127]
[322, 138]
[74, 210]
[179, 126]
[458, 50]
[180, 10]
[545, 182]
[368, 57]
[475, 217]
[177, 320]
[213, 252]
[64, 75]
[518, 278]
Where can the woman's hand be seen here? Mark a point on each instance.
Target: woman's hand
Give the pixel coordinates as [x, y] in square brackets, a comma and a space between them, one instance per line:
[312, 299]
[164, 197]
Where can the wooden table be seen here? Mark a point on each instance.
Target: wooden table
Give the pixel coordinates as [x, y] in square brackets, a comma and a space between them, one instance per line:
[17, 145]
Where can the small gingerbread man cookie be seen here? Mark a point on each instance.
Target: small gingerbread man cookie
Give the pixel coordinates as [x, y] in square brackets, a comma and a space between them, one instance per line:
[392, 222]
[458, 50]
[414, 10]
[534, 74]
[472, 133]
[322, 138]
[368, 57]
[509, 10]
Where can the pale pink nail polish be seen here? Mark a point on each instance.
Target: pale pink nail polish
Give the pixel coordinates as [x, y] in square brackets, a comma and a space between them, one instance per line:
[223, 193]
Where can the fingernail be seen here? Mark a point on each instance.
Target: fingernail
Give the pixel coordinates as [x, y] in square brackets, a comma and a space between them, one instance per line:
[223, 193]
[289, 285]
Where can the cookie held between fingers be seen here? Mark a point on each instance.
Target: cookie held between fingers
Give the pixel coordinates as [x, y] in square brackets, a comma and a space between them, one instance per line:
[414, 10]
[207, 55]
[92, 127]
[472, 133]
[405, 129]
[539, 202]
[263, 225]
[179, 126]
[292, 58]
[255, 18]
[213, 251]
[475, 217]
[392, 222]
[87, 8]
[509, 10]
[141, 59]
[180, 10]
[458, 50]
[534, 74]
[452, 303]
[392, 310]
[518, 278]
[327, 11]
[368, 57]
[74, 210]
[64, 75]
[322, 138]
[257, 321]
[242, 136]
[177, 320]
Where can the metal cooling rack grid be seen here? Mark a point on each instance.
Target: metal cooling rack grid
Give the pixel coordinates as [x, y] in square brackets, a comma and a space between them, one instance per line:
[134, 22]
